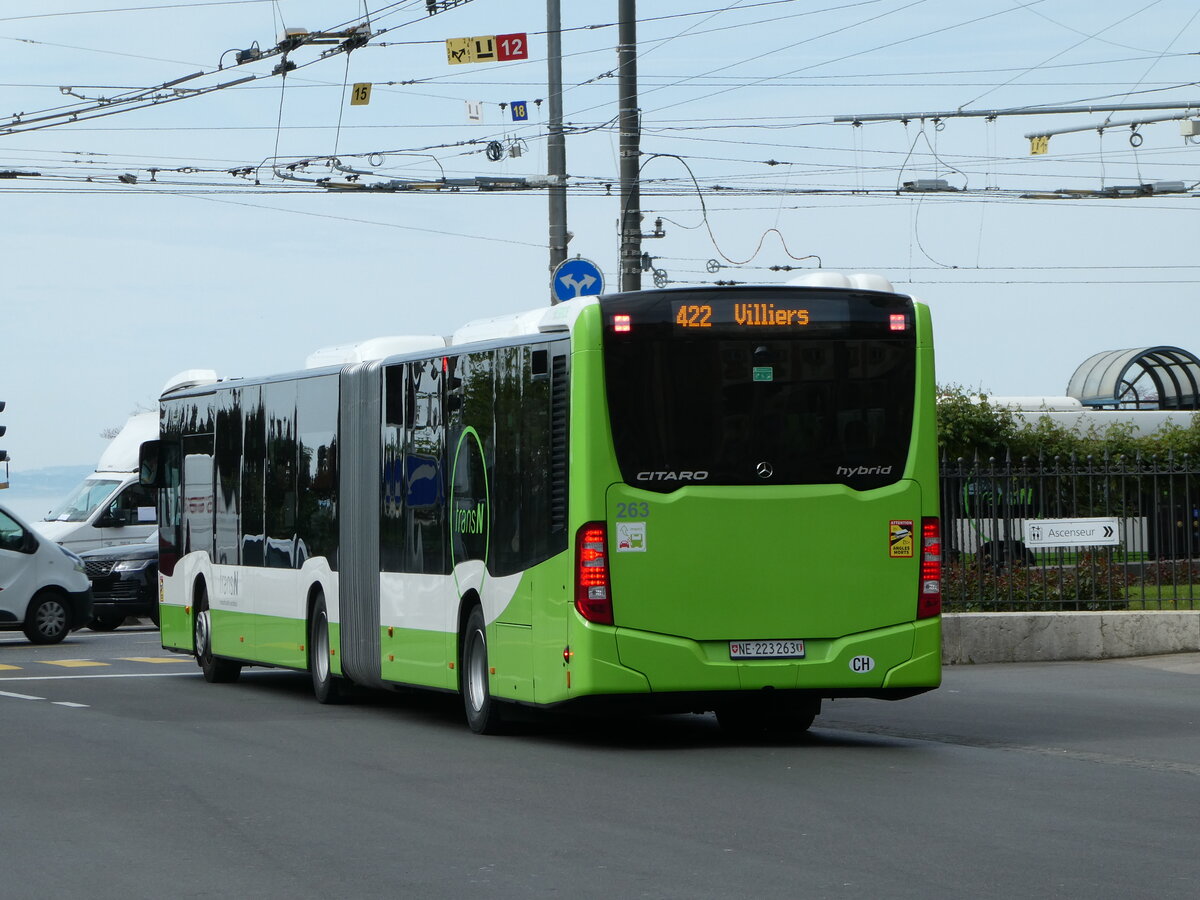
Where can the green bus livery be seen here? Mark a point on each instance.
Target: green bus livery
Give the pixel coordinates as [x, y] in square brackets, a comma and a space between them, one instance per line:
[686, 500]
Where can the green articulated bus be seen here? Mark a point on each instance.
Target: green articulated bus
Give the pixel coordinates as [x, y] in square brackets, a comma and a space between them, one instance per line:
[716, 499]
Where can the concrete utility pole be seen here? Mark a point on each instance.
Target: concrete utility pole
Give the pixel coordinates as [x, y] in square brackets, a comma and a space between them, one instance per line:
[630, 147]
[556, 146]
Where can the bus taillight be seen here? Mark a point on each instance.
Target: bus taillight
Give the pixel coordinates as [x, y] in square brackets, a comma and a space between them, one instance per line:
[929, 598]
[591, 574]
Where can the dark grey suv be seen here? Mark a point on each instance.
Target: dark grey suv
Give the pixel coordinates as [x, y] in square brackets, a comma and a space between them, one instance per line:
[124, 583]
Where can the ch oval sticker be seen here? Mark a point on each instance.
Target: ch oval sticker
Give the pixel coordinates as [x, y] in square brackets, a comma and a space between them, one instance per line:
[862, 664]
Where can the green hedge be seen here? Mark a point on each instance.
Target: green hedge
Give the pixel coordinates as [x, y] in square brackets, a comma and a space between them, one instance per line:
[969, 425]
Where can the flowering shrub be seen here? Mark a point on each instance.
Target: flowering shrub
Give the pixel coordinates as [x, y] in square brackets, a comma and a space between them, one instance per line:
[1093, 582]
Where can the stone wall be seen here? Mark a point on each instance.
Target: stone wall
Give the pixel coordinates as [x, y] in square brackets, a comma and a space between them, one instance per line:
[1039, 637]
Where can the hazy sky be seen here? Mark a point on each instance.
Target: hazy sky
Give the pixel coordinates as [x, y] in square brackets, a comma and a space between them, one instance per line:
[212, 259]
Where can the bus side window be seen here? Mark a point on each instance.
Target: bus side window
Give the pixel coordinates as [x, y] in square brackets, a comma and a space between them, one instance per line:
[424, 452]
[398, 402]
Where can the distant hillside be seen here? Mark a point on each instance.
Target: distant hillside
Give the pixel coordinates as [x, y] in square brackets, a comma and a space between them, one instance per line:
[53, 481]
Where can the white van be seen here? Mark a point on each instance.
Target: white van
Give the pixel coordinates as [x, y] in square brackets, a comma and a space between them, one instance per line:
[109, 508]
[44, 590]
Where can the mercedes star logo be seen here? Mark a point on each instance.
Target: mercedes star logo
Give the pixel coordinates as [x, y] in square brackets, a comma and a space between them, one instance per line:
[764, 469]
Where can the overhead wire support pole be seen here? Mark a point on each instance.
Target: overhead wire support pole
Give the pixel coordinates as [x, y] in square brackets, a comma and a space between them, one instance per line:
[1012, 111]
[556, 147]
[630, 148]
[1107, 125]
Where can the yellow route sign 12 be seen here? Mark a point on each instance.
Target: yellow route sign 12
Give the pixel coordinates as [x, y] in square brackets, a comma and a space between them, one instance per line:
[487, 48]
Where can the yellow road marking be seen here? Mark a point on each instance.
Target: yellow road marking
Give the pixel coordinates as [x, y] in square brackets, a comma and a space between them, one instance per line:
[4, 668]
[72, 663]
[157, 659]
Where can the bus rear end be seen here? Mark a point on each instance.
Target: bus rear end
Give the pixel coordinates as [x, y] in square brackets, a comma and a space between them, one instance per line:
[768, 527]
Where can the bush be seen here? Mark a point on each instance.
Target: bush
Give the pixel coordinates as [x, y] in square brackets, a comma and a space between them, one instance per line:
[969, 425]
[1095, 582]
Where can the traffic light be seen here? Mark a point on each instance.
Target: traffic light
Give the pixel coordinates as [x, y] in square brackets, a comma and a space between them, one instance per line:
[3, 454]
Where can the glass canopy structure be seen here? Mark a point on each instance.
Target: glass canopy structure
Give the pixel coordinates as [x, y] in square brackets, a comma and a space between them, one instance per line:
[1138, 378]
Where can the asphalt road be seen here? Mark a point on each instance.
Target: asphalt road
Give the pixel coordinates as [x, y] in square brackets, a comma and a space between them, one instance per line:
[125, 775]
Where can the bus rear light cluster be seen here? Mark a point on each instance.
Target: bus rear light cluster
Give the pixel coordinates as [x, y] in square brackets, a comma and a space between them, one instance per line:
[929, 597]
[592, 597]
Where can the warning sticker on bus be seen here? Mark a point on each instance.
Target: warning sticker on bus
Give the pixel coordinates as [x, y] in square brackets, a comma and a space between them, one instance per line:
[631, 537]
[900, 538]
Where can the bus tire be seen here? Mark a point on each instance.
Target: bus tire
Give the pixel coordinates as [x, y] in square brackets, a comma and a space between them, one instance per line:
[216, 670]
[742, 720]
[483, 712]
[48, 618]
[755, 718]
[796, 718]
[327, 687]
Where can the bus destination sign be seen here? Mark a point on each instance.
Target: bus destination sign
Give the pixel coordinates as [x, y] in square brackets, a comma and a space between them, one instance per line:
[759, 314]
[740, 315]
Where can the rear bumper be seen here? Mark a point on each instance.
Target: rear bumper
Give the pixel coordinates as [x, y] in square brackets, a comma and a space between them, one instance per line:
[886, 663]
[703, 701]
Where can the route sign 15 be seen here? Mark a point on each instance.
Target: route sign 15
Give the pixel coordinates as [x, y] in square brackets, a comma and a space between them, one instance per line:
[487, 48]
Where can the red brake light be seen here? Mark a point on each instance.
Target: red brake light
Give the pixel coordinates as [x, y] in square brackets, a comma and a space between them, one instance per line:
[898, 322]
[591, 574]
[929, 598]
[622, 323]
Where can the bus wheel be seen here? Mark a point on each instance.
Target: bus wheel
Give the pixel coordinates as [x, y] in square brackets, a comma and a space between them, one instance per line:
[797, 718]
[483, 712]
[751, 719]
[47, 620]
[216, 670]
[326, 686]
[742, 720]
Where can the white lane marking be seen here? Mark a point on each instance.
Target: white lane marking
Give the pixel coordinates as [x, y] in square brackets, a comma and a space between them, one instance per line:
[19, 696]
[54, 702]
[69, 704]
[16, 637]
[6, 679]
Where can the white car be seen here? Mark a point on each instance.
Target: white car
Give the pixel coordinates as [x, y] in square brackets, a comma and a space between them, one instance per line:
[44, 588]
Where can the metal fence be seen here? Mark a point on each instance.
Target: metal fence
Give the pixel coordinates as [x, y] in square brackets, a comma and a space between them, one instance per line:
[988, 564]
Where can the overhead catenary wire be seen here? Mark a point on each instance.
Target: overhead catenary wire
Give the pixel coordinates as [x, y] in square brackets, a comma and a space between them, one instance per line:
[677, 187]
[601, 125]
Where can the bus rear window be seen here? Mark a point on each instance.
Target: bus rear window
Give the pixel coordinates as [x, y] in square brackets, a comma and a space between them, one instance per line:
[788, 392]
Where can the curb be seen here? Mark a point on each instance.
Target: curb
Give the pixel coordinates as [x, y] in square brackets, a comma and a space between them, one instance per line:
[1042, 637]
